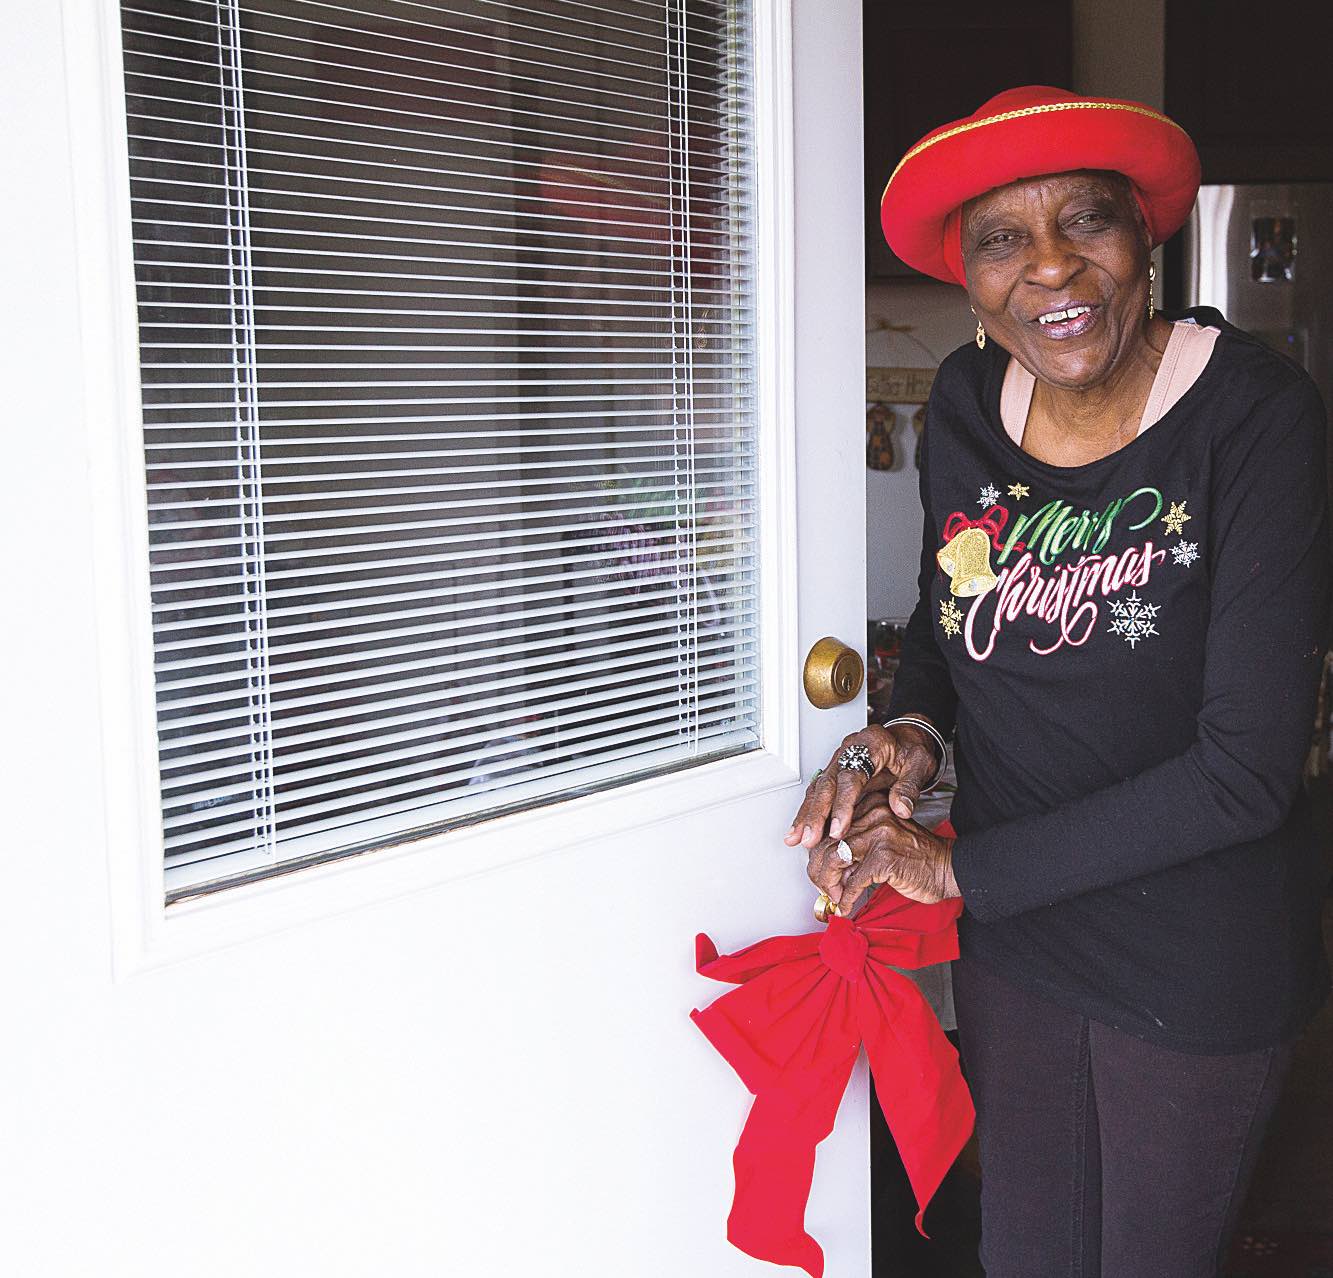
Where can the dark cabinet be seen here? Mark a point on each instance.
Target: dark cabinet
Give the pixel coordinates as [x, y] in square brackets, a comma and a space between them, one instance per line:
[926, 64]
[1250, 83]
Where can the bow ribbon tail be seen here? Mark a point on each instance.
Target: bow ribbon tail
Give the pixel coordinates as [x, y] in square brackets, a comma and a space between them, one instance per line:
[790, 1033]
[917, 1078]
[775, 1163]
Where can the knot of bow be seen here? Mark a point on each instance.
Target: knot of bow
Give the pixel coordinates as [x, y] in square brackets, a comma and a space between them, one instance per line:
[792, 1031]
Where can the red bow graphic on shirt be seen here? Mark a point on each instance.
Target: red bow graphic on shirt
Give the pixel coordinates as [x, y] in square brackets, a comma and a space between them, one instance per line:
[792, 1031]
[992, 522]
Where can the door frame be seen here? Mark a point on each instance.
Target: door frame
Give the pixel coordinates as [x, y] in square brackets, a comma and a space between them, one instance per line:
[146, 934]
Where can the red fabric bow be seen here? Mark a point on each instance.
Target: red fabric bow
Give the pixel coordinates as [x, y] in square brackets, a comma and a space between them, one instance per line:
[992, 522]
[792, 1031]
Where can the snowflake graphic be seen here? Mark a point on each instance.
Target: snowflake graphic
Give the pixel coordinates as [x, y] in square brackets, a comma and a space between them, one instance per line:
[951, 618]
[1018, 491]
[1175, 518]
[1185, 553]
[1132, 618]
[989, 496]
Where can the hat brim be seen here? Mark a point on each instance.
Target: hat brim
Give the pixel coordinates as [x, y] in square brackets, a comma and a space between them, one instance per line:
[960, 161]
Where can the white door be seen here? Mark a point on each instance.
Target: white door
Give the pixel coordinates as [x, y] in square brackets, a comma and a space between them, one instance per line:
[370, 1068]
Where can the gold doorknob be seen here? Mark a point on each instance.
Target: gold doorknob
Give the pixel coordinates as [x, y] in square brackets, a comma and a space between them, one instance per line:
[833, 673]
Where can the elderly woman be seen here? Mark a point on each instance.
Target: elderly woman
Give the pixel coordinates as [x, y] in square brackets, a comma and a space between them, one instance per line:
[1124, 600]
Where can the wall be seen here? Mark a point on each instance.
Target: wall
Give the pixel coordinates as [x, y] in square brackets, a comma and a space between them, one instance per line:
[1118, 52]
[940, 321]
[1119, 49]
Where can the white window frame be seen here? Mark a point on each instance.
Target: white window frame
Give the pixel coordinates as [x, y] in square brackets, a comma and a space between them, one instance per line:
[148, 934]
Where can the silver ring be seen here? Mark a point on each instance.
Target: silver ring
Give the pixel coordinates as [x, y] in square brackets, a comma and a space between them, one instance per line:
[845, 852]
[857, 757]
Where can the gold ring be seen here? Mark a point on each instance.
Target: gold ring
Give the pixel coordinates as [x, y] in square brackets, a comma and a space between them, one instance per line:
[824, 907]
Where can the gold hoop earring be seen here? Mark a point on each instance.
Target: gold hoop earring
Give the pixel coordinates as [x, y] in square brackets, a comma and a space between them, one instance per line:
[981, 337]
[1152, 275]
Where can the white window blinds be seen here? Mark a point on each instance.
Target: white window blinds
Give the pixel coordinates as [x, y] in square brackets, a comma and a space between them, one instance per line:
[447, 362]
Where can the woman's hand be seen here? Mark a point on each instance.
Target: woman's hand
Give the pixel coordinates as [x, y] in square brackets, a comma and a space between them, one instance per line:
[903, 758]
[887, 849]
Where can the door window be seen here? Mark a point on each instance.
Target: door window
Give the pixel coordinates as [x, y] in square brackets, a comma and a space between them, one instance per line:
[447, 358]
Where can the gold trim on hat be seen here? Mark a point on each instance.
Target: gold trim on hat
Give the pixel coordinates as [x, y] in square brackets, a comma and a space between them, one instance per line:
[1044, 107]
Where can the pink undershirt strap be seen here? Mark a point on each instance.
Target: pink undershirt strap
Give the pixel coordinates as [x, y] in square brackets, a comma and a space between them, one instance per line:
[1187, 352]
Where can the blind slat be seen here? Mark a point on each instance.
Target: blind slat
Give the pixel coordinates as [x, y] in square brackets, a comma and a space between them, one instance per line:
[568, 576]
[630, 530]
[575, 596]
[614, 92]
[614, 551]
[328, 499]
[518, 645]
[642, 755]
[342, 539]
[469, 628]
[606, 490]
[580, 700]
[630, 727]
[542, 139]
[276, 386]
[598, 53]
[328, 747]
[439, 666]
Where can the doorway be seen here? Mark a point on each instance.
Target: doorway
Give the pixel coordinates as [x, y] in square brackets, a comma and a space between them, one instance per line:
[912, 64]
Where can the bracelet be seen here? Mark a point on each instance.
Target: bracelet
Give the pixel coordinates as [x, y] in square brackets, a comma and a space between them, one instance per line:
[931, 730]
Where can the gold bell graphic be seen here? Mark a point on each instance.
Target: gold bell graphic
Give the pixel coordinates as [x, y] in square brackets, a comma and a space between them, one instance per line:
[966, 558]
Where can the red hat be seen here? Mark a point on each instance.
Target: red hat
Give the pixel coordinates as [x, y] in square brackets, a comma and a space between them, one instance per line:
[1025, 133]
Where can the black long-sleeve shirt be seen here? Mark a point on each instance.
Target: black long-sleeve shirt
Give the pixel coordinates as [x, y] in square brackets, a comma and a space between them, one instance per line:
[1130, 650]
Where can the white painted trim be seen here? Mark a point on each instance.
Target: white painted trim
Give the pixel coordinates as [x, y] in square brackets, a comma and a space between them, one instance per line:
[775, 346]
[99, 168]
[201, 925]
[147, 935]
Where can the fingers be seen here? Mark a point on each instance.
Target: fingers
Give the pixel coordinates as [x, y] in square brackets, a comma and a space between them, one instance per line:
[826, 868]
[862, 876]
[852, 903]
[878, 785]
[851, 782]
[831, 797]
[808, 827]
[910, 860]
[871, 810]
[903, 795]
[886, 852]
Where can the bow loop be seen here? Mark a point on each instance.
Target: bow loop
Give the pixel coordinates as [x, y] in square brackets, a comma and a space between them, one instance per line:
[992, 523]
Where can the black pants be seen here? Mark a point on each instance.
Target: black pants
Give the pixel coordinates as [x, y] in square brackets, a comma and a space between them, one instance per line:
[1103, 1156]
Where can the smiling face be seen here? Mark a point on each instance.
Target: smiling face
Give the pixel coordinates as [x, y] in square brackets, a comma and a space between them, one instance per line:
[1057, 272]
